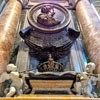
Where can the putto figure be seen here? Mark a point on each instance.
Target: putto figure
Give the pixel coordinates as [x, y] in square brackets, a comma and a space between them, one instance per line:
[86, 80]
[13, 83]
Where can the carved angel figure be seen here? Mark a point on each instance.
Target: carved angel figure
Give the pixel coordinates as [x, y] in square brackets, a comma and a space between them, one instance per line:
[86, 81]
[17, 83]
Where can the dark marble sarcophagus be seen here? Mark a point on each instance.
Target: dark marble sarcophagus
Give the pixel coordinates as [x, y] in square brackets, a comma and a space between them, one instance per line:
[49, 32]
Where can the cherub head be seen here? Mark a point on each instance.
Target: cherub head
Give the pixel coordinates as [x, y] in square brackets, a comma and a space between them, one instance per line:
[90, 67]
[11, 68]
